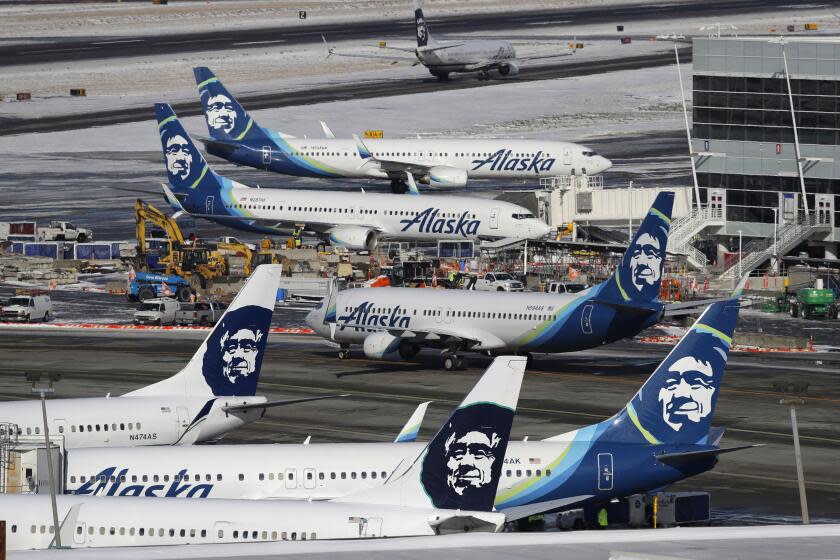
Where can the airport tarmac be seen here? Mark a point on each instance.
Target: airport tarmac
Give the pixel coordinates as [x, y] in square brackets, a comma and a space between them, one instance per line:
[560, 393]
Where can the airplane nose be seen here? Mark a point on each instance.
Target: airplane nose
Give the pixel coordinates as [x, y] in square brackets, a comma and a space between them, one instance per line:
[603, 164]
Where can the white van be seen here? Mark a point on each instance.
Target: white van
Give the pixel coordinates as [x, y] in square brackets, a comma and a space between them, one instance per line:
[28, 308]
[158, 311]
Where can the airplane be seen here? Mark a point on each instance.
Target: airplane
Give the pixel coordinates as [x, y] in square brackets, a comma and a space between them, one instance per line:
[443, 59]
[437, 162]
[357, 221]
[398, 322]
[212, 395]
[663, 434]
[448, 487]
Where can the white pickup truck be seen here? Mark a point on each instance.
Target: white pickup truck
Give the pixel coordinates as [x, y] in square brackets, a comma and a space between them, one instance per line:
[64, 231]
[498, 282]
[200, 313]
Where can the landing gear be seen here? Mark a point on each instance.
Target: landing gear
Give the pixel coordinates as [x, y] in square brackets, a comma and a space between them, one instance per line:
[484, 75]
[453, 361]
[399, 186]
[408, 350]
[344, 352]
[441, 76]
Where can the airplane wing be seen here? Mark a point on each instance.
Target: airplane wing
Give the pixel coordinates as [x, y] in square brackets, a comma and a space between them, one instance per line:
[441, 337]
[394, 169]
[413, 60]
[272, 404]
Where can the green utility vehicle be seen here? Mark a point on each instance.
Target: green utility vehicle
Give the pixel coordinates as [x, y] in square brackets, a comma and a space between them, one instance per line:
[810, 303]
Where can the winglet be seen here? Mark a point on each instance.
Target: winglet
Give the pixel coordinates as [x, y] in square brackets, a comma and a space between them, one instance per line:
[412, 427]
[172, 199]
[739, 289]
[364, 153]
[327, 132]
[330, 49]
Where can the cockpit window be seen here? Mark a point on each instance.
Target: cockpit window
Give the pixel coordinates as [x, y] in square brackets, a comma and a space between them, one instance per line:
[589, 154]
[522, 216]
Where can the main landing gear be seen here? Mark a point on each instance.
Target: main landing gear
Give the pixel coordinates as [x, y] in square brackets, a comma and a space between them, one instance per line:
[399, 186]
[452, 361]
[484, 75]
[344, 352]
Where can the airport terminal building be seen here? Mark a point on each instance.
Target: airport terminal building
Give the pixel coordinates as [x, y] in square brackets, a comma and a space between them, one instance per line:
[744, 143]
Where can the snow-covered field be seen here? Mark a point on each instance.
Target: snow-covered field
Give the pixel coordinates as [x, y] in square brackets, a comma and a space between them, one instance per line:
[571, 108]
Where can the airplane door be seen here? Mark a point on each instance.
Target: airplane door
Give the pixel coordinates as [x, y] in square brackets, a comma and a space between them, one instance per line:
[605, 471]
[79, 533]
[494, 218]
[309, 478]
[586, 319]
[291, 479]
[717, 202]
[183, 417]
[266, 154]
[372, 527]
[208, 205]
[567, 156]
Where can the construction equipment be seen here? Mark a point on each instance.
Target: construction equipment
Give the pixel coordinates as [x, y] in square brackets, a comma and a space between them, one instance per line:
[252, 258]
[178, 258]
[810, 303]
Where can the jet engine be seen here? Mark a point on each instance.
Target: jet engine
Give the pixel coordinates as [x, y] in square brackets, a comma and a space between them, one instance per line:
[354, 238]
[385, 345]
[443, 176]
[509, 69]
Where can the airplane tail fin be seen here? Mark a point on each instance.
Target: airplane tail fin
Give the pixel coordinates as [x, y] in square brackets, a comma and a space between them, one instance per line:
[677, 403]
[191, 180]
[638, 277]
[461, 466]
[228, 362]
[423, 37]
[227, 120]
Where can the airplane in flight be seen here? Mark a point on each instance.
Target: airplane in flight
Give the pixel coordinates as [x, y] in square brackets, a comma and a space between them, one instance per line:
[357, 221]
[448, 487]
[662, 435]
[212, 395]
[437, 162]
[455, 57]
[396, 323]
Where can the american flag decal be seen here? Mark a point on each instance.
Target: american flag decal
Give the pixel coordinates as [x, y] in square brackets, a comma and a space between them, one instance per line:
[534, 461]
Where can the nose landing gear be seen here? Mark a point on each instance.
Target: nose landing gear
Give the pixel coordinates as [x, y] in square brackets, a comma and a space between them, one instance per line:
[344, 352]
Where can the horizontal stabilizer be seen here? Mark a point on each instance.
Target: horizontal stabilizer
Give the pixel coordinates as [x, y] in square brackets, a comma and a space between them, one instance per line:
[679, 458]
[272, 404]
[638, 308]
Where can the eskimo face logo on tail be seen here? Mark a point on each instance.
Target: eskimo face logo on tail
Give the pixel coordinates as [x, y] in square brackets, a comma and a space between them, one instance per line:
[179, 158]
[646, 261]
[221, 114]
[235, 350]
[430, 221]
[687, 394]
[464, 461]
[239, 353]
[422, 32]
[502, 161]
[470, 459]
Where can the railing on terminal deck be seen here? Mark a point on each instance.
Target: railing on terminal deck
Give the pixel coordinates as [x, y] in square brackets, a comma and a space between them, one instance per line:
[787, 237]
[572, 181]
[685, 228]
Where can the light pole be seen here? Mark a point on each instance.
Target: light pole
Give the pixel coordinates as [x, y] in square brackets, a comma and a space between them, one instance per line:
[775, 237]
[740, 254]
[43, 384]
[630, 213]
[796, 388]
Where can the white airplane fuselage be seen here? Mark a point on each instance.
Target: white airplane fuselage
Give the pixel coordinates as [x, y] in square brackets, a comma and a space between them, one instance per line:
[464, 55]
[129, 421]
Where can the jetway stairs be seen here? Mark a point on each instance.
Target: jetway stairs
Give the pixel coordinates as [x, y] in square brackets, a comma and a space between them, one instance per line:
[787, 237]
[685, 228]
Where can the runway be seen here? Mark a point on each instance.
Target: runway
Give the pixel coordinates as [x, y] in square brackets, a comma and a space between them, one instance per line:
[560, 393]
[107, 47]
[354, 90]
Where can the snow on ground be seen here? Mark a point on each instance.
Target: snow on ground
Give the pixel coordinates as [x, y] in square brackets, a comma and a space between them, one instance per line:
[139, 81]
[26, 23]
[576, 108]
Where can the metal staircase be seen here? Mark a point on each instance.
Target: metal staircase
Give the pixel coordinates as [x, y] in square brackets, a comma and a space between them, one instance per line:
[787, 237]
[685, 228]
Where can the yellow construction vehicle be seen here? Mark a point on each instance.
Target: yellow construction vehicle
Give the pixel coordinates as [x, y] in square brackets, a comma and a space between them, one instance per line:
[252, 258]
[177, 256]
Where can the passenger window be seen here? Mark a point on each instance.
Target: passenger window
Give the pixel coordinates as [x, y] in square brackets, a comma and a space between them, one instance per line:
[320, 476]
[122, 530]
[518, 473]
[145, 478]
[283, 535]
[105, 428]
[311, 536]
[343, 476]
[171, 532]
[332, 476]
[262, 476]
[142, 531]
[61, 429]
[183, 532]
[364, 475]
[373, 474]
[166, 478]
[507, 472]
[384, 474]
[353, 475]
[221, 534]
[547, 472]
[219, 477]
[294, 536]
[122, 427]
[274, 535]
[138, 425]
[241, 477]
[72, 428]
[265, 535]
[309, 476]
[271, 476]
[97, 427]
[73, 479]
